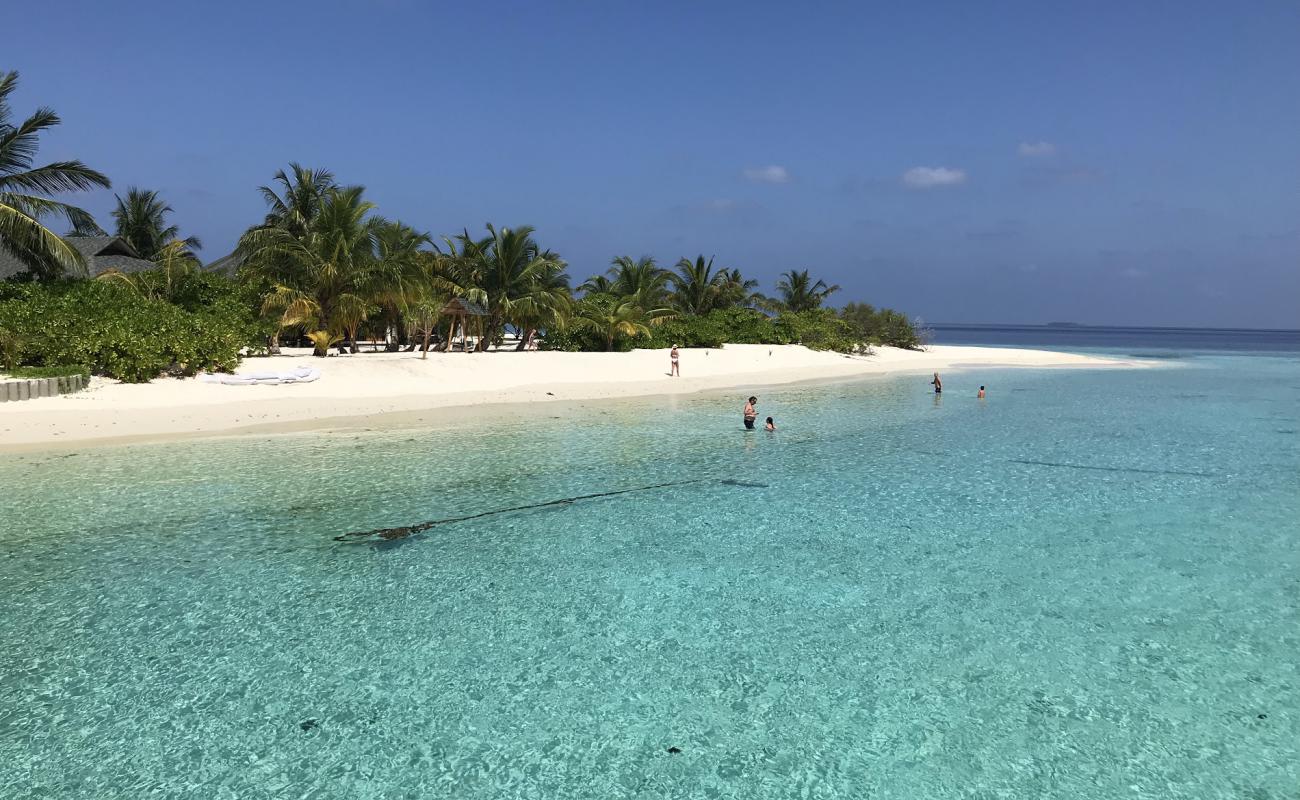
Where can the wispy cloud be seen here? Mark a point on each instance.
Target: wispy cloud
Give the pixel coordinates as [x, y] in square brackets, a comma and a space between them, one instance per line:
[769, 174]
[1037, 149]
[931, 177]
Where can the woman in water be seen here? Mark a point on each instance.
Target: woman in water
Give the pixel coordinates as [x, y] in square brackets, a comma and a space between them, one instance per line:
[769, 425]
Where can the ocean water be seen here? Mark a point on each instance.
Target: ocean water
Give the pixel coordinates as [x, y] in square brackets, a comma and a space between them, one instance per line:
[1098, 338]
[1085, 586]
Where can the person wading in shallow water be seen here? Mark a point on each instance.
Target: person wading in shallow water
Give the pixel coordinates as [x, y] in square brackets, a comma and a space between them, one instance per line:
[750, 413]
[938, 384]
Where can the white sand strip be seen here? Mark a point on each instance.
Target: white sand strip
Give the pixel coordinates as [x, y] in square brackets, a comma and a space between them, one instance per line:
[368, 384]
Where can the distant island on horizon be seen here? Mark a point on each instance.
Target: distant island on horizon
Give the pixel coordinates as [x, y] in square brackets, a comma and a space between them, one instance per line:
[1070, 325]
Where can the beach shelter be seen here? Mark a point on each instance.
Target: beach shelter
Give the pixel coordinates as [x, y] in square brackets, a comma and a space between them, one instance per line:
[461, 311]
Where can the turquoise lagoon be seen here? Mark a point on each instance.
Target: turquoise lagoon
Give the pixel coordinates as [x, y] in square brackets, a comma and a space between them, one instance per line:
[1086, 586]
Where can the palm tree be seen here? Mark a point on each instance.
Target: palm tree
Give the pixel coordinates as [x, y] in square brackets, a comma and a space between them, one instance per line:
[174, 262]
[25, 192]
[521, 283]
[642, 279]
[734, 290]
[619, 317]
[798, 292]
[328, 278]
[142, 222]
[695, 286]
[597, 284]
[299, 198]
[400, 258]
[294, 200]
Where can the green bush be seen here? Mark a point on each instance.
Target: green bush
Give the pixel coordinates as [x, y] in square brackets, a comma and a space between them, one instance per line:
[116, 330]
[49, 372]
[819, 329]
[883, 326]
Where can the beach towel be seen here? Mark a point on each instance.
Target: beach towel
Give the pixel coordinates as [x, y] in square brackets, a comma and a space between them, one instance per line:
[295, 375]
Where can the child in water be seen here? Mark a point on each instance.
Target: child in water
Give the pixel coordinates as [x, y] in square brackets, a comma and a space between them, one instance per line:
[981, 394]
[769, 425]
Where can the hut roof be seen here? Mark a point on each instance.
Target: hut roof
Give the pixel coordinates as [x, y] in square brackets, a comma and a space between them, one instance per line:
[101, 253]
[228, 264]
[459, 305]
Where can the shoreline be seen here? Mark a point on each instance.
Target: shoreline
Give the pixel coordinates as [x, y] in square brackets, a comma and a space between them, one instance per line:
[387, 390]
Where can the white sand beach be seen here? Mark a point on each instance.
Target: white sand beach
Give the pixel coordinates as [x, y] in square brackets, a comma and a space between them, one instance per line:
[360, 388]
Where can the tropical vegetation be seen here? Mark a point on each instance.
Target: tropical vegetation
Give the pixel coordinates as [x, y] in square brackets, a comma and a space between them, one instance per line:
[323, 267]
[26, 192]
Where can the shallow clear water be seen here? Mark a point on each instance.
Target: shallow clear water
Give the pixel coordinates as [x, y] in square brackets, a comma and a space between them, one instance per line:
[1085, 586]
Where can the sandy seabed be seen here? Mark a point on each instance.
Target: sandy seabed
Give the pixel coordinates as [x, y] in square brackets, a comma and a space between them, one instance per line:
[369, 388]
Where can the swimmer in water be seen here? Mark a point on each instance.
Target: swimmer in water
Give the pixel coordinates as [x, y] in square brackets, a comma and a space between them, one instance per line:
[769, 425]
[981, 394]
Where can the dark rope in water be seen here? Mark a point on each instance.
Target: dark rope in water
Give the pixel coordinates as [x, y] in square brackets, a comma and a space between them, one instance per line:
[392, 534]
[1111, 469]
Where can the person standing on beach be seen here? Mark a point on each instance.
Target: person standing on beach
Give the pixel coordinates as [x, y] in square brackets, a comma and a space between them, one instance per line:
[673, 368]
[750, 414]
[938, 384]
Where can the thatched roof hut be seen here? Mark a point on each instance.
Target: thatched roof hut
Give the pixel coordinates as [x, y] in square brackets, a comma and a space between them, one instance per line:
[460, 310]
[101, 253]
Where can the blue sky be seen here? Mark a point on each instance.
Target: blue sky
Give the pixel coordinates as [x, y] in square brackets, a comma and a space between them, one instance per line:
[1123, 163]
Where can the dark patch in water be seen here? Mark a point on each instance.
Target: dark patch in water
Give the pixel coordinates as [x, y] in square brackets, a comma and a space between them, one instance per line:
[390, 538]
[1162, 356]
[309, 724]
[1110, 469]
[674, 750]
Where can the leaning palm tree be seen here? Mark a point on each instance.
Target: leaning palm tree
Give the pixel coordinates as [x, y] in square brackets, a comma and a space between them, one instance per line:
[798, 292]
[25, 193]
[141, 220]
[620, 317]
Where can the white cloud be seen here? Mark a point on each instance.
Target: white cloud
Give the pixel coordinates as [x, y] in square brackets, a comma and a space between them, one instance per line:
[1037, 149]
[769, 174]
[930, 177]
